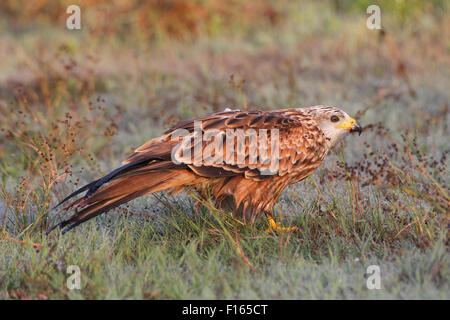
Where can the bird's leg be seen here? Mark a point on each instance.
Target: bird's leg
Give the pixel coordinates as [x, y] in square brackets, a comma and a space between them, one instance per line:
[276, 226]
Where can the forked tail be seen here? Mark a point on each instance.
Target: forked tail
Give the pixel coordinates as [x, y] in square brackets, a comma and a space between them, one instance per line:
[129, 184]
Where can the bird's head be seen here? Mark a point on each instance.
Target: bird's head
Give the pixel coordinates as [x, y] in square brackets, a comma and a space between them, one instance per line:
[333, 122]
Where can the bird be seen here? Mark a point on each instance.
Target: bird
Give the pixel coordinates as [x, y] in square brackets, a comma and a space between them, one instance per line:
[243, 160]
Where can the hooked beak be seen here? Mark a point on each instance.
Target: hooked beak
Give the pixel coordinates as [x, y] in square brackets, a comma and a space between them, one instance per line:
[356, 128]
[352, 125]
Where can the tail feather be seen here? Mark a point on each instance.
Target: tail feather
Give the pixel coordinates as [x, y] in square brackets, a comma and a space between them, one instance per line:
[95, 185]
[121, 191]
[95, 210]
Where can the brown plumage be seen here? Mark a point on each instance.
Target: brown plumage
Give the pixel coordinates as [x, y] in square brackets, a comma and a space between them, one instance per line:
[248, 181]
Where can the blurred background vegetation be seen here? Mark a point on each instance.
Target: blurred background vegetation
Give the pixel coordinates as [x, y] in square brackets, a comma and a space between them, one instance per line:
[73, 103]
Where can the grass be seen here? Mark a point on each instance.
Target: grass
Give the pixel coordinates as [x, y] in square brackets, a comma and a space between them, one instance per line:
[73, 104]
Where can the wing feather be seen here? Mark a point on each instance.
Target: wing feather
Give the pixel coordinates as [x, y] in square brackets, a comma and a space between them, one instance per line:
[300, 143]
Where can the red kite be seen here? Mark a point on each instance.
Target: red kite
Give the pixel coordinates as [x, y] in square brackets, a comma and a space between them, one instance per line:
[243, 159]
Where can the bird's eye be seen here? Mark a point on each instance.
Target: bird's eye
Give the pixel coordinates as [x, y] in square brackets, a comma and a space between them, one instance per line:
[334, 119]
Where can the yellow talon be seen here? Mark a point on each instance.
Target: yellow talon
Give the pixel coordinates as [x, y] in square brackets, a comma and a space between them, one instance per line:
[275, 226]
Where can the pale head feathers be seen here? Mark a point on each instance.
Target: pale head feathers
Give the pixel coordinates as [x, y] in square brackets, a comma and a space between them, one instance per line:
[333, 122]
